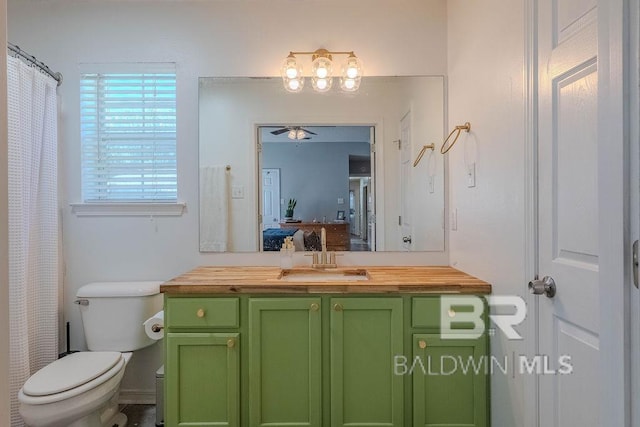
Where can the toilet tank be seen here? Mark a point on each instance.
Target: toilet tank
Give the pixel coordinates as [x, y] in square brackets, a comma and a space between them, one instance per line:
[113, 313]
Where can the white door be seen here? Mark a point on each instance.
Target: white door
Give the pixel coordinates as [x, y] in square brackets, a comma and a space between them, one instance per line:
[405, 183]
[270, 198]
[572, 217]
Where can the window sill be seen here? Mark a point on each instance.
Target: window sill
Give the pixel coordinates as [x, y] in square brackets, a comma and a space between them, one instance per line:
[128, 209]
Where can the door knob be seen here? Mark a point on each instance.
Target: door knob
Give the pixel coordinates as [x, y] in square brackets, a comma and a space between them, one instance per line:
[545, 286]
[406, 239]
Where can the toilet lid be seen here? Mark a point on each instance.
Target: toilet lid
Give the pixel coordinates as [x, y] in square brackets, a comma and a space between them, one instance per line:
[70, 372]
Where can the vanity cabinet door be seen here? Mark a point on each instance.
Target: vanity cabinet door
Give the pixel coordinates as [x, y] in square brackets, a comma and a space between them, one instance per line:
[285, 362]
[202, 382]
[366, 334]
[449, 381]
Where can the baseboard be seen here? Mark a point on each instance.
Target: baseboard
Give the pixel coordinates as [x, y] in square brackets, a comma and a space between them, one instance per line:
[137, 397]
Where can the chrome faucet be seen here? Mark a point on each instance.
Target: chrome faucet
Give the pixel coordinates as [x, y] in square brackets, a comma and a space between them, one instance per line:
[327, 259]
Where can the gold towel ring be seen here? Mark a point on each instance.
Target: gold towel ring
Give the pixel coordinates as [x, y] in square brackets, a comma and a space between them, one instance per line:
[459, 128]
[421, 153]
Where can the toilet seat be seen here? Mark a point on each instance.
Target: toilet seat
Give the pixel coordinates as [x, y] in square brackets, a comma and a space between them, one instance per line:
[71, 376]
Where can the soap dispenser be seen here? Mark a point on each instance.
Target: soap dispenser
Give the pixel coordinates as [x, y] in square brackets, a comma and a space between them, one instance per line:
[286, 253]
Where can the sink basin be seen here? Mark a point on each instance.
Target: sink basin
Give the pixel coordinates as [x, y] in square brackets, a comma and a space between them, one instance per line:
[329, 275]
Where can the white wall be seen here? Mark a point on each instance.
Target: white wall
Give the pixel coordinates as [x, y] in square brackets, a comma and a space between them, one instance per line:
[4, 233]
[486, 87]
[316, 174]
[217, 38]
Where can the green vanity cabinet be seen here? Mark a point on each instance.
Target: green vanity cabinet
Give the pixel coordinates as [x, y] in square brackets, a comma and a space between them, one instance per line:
[366, 334]
[285, 362]
[449, 374]
[450, 382]
[202, 376]
[318, 360]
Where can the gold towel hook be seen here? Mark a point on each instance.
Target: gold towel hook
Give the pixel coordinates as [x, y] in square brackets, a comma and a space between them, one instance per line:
[421, 153]
[466, 127]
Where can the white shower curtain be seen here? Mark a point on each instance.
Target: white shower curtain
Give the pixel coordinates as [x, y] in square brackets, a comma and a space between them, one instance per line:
[33, 224]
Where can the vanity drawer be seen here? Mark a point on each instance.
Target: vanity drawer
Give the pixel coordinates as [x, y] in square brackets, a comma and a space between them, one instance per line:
[425, 313]
[203, 313]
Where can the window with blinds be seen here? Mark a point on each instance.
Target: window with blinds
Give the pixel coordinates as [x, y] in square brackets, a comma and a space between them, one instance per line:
[128, 131]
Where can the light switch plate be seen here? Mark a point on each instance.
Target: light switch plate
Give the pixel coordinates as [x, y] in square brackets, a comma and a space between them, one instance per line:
[471, 175]
[340, 201]
[431, 184]
[237, 192]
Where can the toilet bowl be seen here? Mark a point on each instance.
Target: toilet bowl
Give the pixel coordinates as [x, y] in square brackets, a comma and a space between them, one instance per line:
[82, 389]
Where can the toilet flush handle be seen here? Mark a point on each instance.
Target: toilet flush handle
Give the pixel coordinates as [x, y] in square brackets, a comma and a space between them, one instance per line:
[81, 302]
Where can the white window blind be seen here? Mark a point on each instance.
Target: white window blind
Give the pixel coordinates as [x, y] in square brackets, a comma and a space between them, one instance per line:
[128, 131]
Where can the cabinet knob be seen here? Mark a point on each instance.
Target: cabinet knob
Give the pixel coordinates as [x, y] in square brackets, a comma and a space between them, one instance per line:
[315, 306]
[337, 307]
[200, 312]
[422, 344]
[231, 343]
[451, 313]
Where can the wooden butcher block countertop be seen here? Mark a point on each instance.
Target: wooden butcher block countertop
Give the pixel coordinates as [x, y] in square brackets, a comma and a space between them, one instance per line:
[386, 280]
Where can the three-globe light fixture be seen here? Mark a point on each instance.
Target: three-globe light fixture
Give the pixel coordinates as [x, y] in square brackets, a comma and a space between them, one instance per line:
[322, 71]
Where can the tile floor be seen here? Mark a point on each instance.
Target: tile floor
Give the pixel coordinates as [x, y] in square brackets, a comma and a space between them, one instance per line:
[140, 415]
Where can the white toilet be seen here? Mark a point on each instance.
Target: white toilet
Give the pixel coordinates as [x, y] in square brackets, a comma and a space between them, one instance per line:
[81, 389]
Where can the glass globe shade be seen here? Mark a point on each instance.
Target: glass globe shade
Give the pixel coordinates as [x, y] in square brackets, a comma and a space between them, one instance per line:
[350, 85]
[321, 85]
[291, 72]
[322, 67]
[290, 68]
[322, 73]
[352, 68]
[294, 85]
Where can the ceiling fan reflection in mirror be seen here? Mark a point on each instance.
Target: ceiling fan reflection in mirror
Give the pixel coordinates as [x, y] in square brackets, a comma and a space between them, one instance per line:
[294, 132]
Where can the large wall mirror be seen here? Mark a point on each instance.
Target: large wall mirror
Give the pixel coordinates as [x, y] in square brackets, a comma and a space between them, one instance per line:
[341, 161]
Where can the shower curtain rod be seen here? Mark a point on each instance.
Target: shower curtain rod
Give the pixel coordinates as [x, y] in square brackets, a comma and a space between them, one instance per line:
[33, 61]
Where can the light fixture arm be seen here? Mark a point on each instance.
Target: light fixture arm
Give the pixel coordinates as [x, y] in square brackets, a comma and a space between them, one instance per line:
[322, 52]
